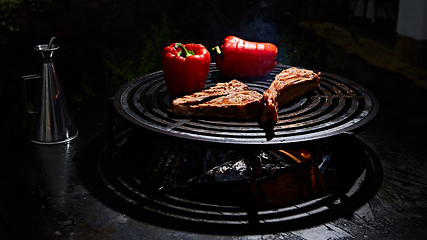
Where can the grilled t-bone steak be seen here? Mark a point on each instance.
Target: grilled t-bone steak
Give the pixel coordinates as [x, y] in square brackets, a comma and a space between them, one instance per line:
[226, 100]
[287, 85]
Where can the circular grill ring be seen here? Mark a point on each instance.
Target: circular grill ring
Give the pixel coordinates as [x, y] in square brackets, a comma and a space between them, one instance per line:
[338, 105]
[117, 181]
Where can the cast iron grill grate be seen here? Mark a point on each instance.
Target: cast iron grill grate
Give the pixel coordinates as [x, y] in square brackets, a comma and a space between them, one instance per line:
[338, 105]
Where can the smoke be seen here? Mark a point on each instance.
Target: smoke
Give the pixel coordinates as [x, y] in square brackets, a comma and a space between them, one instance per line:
[326, 160]
[250, 21]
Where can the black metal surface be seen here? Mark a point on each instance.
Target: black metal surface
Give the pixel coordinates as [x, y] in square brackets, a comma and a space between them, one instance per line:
[338, 105]
[122, 182]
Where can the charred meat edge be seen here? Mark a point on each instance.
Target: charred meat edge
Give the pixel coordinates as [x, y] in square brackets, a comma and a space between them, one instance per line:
[287, 85]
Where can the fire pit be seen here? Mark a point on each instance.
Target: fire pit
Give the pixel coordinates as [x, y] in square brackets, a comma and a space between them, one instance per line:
[198, 174]
[227, 190]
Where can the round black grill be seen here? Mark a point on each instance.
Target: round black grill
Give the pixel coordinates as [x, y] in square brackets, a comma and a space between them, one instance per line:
[338, 105]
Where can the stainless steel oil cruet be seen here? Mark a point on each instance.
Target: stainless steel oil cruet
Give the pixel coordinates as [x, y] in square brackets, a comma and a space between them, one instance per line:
[52, 121]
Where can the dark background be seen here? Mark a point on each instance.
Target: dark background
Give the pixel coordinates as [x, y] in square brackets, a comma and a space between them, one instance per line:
[106, 43]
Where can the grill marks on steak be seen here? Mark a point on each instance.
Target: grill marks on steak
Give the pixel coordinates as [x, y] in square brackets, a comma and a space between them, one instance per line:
[234, 99]
[226, 100]
[240, 105]
[287, 85]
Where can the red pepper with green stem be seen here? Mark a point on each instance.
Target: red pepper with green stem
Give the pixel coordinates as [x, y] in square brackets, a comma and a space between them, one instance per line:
[185, 68]
[244, 59]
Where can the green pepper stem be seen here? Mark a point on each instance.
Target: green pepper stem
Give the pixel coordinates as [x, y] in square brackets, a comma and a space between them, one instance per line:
[184, 53]
[217, 49]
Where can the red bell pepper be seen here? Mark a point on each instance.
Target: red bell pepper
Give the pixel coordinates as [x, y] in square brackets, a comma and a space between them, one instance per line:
[239, 58]
[185, 68]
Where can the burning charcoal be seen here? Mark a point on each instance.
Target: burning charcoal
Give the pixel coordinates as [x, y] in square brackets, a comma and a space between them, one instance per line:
[172, 165]
[229, 171]
[265, 177]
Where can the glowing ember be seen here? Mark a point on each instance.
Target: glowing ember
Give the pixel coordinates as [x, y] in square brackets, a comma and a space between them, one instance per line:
[304, 154]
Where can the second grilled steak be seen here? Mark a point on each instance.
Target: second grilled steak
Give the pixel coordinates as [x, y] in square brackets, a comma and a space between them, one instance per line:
[287, 85]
